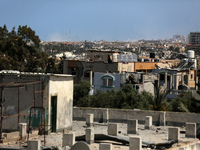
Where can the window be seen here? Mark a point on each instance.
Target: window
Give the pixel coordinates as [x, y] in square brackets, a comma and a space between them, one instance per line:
[107, 80]
[191, 76]
[110, 82]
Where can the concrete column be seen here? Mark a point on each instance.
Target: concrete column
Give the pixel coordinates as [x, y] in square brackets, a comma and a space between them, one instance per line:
[197, 146]
[89, 120]
[112, 129]
[135, 143]
[173, 86]
[192, 147]
[106, 115]
[68, 139]
[174, 134]
[165, 79]
[132, 126]
[162, 118]
[182, 79]
[22, 130]
[34, 145]
[148, 122]
[91, 78]
[171, 82]
[105, 146]
[89, 136]
[190, 130]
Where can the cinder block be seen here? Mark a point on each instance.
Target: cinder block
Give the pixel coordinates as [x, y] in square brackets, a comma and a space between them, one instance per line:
[135, 143]
[148, 122]
[22, 131]
[34, 145]
[132, 126]
[106, 116]
[190, 130]
[68, 139]
[112, 129]
[174, 134]
[89, 136]
[162, 119]
[105, 146]
[89, 120]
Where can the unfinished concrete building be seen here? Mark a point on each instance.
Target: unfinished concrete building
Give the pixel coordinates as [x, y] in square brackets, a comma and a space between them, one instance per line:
[43, 101]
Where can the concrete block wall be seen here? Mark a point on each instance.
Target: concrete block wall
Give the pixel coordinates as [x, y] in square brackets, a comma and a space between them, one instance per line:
[100, 115]
[122, 115]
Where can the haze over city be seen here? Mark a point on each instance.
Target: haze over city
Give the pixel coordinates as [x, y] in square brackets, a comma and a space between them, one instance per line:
[103, 20]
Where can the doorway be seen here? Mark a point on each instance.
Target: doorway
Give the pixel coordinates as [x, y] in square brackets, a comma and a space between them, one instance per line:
[53, 113]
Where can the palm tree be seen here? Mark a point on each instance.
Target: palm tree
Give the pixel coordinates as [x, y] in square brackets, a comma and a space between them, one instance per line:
[159, 100]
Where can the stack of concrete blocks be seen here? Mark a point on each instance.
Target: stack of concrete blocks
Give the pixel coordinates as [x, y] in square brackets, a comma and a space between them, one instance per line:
[135, 143]
[34, 145]
[190, 130]
[106, 116]
[89, 136]
[148, 122]
[68, 139]
[162, 118]
[22, 131]
[132, 126]
[174, 134]
[89, 120]
[105, 146]
[112, 129]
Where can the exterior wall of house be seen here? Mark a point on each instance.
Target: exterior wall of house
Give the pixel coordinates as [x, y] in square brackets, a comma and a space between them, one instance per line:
[168, 63]
[104, 56]
[126, 67]
[148, 86]
[98, 81]
[191, 75]
[145, 66]
[26, 97]
[62, 87]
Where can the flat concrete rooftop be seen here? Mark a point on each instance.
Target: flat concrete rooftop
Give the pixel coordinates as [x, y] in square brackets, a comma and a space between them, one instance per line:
[158, 134]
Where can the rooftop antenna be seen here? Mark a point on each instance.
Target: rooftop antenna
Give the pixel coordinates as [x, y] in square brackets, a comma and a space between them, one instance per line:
[69, 35]
[66, 36]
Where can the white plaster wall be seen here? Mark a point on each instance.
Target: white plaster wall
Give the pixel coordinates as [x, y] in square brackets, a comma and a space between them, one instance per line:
[62, 87]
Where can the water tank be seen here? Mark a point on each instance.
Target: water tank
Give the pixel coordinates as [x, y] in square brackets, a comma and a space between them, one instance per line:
[190, 54]
[152, 55]
[152, 60]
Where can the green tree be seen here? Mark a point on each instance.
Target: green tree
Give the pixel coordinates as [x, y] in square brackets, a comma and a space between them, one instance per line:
[185, 102]
[81, 94]
[18, 50]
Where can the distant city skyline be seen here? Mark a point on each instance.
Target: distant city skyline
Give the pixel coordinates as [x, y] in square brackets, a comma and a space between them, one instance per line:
[112, 20]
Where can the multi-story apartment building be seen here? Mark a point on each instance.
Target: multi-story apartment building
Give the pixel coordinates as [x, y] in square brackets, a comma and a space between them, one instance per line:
[194, 40]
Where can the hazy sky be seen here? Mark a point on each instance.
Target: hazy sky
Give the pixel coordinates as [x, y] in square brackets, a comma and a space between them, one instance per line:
[123, 20]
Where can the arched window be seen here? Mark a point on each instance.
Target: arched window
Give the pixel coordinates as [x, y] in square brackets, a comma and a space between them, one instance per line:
[108, 80]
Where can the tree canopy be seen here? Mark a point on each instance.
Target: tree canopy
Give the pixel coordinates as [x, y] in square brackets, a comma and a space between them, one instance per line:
[18, 50]
[128, 98]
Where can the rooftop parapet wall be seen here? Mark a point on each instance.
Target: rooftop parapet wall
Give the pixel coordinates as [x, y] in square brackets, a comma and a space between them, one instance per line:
[122, 115]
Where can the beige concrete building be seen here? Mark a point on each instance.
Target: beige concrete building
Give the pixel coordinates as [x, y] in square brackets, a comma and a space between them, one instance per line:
[50, 97]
